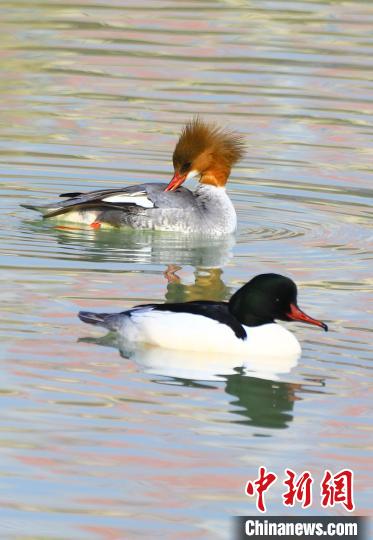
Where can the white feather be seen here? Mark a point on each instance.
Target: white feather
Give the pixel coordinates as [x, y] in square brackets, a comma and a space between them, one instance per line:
[192, 174]
[135, 198]
[85, 217]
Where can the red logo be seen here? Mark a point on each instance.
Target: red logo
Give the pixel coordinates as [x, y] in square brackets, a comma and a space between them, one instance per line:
[299, 489]
[260, 486]
[337, 489]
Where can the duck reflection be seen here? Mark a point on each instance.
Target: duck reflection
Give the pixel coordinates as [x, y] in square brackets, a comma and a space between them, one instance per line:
[208, 284]
[135, 246]
[262, 399]
[262, 403]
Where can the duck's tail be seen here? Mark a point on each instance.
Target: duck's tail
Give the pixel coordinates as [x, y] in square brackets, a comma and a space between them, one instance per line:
[44, 209]
[107, 320]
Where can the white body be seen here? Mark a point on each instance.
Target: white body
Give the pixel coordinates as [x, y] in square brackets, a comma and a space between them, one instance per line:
[189, 332]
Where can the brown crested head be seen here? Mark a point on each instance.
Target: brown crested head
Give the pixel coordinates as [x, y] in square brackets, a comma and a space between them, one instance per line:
[207, 151]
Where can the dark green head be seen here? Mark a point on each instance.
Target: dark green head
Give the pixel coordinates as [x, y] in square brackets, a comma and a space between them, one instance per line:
[268, 297]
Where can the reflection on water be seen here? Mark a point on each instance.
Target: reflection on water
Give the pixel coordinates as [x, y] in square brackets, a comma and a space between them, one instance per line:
[148, 247]
[207, 284]
[197, 366]
[263, 403]
[93, 95]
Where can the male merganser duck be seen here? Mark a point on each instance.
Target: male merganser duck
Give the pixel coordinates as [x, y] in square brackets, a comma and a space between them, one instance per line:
[244, 325]
[203, 151]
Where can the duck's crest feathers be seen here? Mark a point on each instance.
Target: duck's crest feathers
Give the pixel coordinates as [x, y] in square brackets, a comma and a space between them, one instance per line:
[198, 136]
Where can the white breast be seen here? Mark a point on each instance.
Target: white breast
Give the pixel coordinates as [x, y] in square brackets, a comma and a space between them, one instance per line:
[218, 215]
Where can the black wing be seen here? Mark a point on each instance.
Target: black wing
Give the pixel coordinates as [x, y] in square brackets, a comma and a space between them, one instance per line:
[106, 198]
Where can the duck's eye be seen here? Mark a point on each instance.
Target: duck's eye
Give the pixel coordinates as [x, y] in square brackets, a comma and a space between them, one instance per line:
[184, 168]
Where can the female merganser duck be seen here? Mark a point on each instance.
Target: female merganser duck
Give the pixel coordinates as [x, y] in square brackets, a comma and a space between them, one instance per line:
[203, 151]
[244, 325]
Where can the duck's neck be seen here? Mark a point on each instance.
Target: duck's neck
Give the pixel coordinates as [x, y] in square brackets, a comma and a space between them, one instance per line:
[216, 176]
[243, 307]
[210, 194]
[217, 212]
[251, 320]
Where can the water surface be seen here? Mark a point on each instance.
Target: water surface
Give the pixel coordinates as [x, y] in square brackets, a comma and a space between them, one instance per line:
[93, 94]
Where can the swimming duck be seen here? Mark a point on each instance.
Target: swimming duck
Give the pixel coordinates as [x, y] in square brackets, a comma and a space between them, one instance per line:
[245, 325]
[203, 151]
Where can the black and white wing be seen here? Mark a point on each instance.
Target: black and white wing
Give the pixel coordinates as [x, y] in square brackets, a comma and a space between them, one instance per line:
[132, 198]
